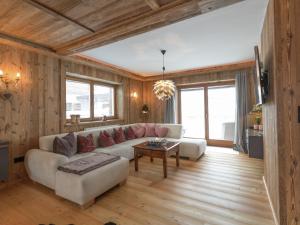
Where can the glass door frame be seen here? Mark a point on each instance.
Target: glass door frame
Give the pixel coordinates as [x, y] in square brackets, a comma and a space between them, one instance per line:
[205, 86]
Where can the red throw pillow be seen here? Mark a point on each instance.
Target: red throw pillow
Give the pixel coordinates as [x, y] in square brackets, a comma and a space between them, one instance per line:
[105, 139]
[85, 144]
[161, 131]
[119, 135]
[139, 131]
[130, 133]
[150, 130]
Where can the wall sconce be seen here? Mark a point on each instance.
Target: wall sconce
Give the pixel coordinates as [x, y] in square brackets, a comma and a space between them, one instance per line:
[134, 94]
[145, 109]
[8, 80]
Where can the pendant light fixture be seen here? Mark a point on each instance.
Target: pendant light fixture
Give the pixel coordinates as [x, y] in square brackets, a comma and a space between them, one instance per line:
[164, 89]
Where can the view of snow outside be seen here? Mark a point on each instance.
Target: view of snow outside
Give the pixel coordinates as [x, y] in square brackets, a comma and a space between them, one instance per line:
[221, 112]
[78, 99]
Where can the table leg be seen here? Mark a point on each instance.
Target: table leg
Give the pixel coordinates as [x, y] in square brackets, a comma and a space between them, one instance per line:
[151, 158]
[165, 165]
[177, 158]
[136, 158]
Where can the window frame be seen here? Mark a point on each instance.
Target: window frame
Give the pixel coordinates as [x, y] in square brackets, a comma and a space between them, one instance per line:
[92, 83]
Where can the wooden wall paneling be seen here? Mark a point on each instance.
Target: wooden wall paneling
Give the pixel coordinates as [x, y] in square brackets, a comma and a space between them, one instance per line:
[135, 104]
[280, 49]
[156, 107]
[286, 43]
[36, 108]
[271, 173]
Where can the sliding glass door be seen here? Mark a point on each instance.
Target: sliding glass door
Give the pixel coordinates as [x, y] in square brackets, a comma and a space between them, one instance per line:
[221, 112]
[192, 112]
[208, 111]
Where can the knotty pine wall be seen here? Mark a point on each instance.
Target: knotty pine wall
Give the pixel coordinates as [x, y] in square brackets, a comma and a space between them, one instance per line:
[157, 107]
[270, 112]
[36, 110]
[280, 46]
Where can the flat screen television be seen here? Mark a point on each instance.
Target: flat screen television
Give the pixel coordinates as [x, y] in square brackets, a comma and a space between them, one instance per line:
[261, 80]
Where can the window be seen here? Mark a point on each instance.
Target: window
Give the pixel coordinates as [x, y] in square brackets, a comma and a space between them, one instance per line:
[89, 99]
[103, 100]
[77, 99]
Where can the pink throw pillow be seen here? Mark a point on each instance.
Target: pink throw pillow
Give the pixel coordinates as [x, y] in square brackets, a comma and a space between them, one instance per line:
[130, 133]
[150, 130]
[139, 131]
[119, 135]
[161, 131]
[105, 139]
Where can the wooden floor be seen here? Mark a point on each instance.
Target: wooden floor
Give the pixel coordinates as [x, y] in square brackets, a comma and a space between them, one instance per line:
[220, 188]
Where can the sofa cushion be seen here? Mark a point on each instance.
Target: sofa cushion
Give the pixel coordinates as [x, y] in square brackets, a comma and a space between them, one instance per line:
[85, 144]
[161, 131]
[150, 130]
[174, 130]
[105, 139]
[139, 131]
[124, 149]
[119, 135]
[129, 133]
[65, 145]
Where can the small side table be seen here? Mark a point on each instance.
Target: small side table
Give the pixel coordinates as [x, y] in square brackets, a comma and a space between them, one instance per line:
[4, 160]
[255, 144]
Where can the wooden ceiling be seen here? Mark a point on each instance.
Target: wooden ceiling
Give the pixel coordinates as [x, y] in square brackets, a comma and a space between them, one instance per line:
[72, 26]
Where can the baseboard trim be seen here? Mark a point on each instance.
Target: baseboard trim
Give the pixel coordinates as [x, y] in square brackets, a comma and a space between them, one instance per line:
[270, 202]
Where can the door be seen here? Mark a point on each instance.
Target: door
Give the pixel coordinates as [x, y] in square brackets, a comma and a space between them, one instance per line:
[192, 112]
[208, 111]
[221, 114]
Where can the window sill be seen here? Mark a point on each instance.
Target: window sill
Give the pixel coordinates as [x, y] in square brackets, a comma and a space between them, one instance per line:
[95, 123]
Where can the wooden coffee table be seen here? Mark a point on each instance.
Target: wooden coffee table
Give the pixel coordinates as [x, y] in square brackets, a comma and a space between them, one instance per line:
[156, 152]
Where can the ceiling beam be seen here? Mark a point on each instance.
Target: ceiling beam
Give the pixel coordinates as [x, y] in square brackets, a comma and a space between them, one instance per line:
[153, 4]
[58, 15]
[21, 41]
[173, 12]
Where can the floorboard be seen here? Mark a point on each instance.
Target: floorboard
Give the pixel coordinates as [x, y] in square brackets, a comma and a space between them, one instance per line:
[222, 188]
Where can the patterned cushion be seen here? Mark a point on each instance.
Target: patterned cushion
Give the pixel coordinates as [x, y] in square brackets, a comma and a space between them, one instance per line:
[85, 144]
[65, 145]
[105, 139]
[119, 135]
[129, 133]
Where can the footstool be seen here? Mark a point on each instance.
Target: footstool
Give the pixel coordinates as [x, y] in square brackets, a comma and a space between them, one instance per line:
[83, 189]
[192, 148]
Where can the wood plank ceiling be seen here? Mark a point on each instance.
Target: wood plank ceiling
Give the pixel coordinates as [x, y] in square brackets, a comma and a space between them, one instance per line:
[72, 26]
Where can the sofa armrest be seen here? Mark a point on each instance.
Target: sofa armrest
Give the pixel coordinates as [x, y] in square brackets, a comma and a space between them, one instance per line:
[41, 166]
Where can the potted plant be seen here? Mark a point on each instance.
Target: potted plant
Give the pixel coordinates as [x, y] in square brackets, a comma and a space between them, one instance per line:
[257, 123]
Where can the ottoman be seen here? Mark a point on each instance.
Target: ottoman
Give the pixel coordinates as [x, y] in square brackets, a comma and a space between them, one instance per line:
[83, 189]
[192, 148]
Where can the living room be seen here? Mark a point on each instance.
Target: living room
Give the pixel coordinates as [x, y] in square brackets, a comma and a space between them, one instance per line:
[149, 112]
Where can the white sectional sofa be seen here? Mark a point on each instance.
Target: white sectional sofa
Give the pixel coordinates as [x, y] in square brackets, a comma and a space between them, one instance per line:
[42, 164]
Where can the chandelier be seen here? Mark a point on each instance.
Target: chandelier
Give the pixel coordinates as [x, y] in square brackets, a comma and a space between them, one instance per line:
[164, 89]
